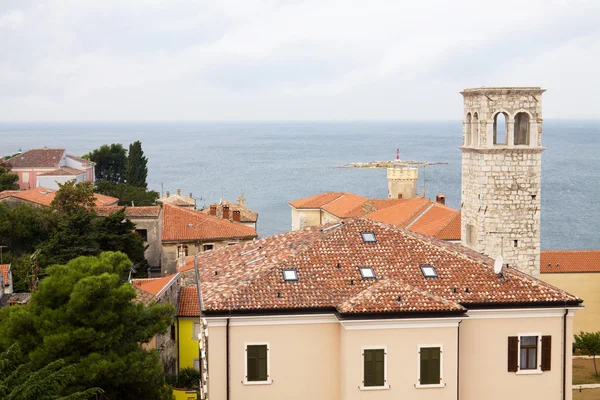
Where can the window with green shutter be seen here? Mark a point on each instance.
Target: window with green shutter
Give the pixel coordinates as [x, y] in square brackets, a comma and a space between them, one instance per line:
[430, 365]
[256, 363]
[374, 367]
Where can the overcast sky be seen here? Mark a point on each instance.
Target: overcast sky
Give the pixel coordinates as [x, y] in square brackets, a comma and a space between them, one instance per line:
[112, 60]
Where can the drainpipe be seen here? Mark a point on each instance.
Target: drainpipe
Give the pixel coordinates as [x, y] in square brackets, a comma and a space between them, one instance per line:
[178, 344]
[564, 374]
[458, 360]
[227, 355]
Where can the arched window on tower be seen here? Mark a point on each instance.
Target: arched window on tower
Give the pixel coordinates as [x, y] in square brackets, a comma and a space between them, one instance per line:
[522, 128]
[468, 130]
[475, 130]
[500, 128]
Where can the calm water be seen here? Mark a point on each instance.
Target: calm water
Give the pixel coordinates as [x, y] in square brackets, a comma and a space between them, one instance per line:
[276, 162]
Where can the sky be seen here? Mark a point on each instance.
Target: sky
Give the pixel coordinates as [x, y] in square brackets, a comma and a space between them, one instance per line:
[185, 60]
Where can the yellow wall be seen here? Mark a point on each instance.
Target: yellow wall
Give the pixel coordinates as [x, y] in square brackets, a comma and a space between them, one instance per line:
[586, 287]
[181, 394]
[188, 347]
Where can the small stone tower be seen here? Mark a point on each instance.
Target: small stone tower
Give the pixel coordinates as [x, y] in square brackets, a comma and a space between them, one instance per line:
[501, 174]
[402, 182]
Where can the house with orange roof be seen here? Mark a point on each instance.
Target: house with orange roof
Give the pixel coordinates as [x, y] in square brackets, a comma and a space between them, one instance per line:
[418, 214]
[179, 200]
[45, 167]
[234, 212]
[6, 281]
[361, 309]
[578, 272]
[42, 196]
[188, 232]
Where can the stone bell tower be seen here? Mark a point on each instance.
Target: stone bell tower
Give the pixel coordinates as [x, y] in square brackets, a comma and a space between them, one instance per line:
[501, 174]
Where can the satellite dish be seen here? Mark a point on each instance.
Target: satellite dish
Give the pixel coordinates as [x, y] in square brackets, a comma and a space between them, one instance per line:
[498, 264]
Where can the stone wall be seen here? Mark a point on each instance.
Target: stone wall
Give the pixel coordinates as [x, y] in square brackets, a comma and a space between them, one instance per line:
[402, 181]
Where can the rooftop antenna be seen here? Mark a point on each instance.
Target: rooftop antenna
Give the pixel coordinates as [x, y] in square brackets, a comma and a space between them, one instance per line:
[498, 265]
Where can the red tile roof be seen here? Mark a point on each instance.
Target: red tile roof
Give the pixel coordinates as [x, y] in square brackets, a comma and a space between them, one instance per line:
[180, 224]
[316, 201]
[4, 270]
[151, 289]
[246, 215]
[434, 220]
[249, 276]
[81, 160]
[402, 213]
[569, 261]
[188, 302]
[44, 196]
[131, 212]
[452, 231]
[63, 171]
[178, 200]
[37, 158]
[344, 204]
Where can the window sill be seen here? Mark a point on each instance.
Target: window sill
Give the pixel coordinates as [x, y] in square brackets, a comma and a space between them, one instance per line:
[251, 383]
[529, 372]
[431, 386]
[384, 387]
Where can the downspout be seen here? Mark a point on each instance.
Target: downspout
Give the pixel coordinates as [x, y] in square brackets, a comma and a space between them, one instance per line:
[227, 354]
[178, 344]
[458, 360]
[564, 371]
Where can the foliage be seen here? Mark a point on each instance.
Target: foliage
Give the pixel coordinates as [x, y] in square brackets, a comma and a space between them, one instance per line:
[588, 343]
[24, 226]
[136, 169]
[188, 378]
[7, 179]
[127, 194]
[83, 313]
[110, 162]
[19, 381]
[73, 197]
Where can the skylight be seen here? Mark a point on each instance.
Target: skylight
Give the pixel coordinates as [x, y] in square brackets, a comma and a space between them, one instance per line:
[367, 272]
[290, 275]
[429, 271]
[368, 237]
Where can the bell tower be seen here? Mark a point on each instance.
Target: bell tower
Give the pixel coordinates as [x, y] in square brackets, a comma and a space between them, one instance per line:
[501, 174]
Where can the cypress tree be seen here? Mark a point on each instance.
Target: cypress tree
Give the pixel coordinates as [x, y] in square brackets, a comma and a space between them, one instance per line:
[136, 170]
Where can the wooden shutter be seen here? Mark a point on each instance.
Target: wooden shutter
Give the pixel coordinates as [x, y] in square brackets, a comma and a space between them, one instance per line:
[513, 354]
[374, 367]
[256, 359]
[546, 352]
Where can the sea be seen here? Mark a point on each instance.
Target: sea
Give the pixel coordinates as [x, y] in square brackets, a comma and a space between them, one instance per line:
[274, 163]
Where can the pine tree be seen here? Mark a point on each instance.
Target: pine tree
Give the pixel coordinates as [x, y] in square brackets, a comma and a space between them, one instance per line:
[136, 170]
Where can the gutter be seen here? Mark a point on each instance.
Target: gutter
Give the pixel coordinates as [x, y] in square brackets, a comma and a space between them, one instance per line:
[458, 360]
[227, 356]
[564, 366]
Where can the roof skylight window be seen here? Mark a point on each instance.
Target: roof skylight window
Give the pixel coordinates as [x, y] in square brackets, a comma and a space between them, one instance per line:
[368, 237]
[367, 272]
[429, 271]
[290, 275]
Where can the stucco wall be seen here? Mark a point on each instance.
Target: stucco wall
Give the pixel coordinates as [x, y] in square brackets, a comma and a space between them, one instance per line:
[188, 346]
[302, 219]
[152, 227]
[51, 182]
[587, 287]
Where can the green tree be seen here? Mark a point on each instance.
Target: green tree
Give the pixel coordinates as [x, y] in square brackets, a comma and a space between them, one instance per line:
[72, 197]
[8, 181]
[110, 162]
[136, 170]
[128, 195]
[23, 227]
[588, 344]
[18, 381]
[83, 313]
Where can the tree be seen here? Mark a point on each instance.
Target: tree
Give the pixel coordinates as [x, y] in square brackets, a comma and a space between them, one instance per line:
[589, 344]
[136, 170]
[110, 162]
[83, 313]
[8, 181]
[72, 197]
[19, 381]
[128, 195]
[23, 227]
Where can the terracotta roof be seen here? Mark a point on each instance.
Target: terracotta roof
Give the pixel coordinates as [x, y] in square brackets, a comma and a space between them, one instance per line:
[63, 171]
[249, 276]
[452, 231]
[131, 212]
[316, 201]
[180, 224]
[566, 261]
[178, 200]
[344, 204]
[402, 213]
[44, 196]
[154, 285]
[81, 160]
[434, 220]
[246, 215]
[188, 302]
[37, 158]
[4, 270]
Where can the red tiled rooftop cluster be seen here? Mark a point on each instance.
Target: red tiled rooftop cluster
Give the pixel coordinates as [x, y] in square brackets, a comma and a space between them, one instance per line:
[569, 261]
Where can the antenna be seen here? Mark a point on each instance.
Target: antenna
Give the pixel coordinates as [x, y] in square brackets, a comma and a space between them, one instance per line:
[498, 265]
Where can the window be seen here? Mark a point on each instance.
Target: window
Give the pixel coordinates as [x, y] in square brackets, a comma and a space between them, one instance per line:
[500, 128]
[367, 272]
[368, 237]
[374, 368]
[529, 353]
[429, 271]
[290, 275]
[197, 331]
[208, 247]
[521, 129]
[468, 130]
[257, 363]
[197, 364]
[143, 233]
[430, 366]
[25, 177]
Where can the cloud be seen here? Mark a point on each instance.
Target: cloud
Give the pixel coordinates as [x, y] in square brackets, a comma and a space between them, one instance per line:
[313, 59]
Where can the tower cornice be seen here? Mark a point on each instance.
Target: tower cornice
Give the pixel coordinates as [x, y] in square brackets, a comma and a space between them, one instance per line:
[500, 150]
[503, 90]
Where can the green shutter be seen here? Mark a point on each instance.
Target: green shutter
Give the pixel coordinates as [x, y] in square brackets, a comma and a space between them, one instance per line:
[430, 366]
[256, 361]
[374, 367]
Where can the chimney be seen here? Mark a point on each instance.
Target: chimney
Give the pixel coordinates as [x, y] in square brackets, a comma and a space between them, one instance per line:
[236, 216]
[440, 198]
[399, 195]
[225, 212]
[181, 257]
[213, 209]
[168, 194]
[178, 192]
